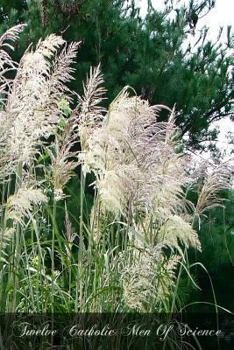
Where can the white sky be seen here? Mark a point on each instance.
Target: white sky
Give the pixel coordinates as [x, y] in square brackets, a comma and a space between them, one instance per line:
[222, 15]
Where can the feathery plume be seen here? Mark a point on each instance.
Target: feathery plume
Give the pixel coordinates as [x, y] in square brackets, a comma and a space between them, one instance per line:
[91, 113]
[217, 179]
[94, 93]
[148, 279]
[64, 157]
[21, 204]
[176, 231]
[128, 153]
[6, 62]
[33, 105]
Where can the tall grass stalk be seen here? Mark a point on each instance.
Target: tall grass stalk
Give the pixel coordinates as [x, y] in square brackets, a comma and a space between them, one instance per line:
[79, 292]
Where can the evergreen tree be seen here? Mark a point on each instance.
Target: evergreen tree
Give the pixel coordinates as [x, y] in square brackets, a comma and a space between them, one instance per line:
[149, 54]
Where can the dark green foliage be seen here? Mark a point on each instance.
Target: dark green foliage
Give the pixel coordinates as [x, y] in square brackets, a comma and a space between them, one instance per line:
[217, 240]
[10, 8]
[217, 235]
[147, 54]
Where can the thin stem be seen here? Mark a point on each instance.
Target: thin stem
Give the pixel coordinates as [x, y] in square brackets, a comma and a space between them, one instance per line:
[79, 287]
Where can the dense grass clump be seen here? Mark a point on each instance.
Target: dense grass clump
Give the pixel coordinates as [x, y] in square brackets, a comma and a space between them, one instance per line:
[124, 250]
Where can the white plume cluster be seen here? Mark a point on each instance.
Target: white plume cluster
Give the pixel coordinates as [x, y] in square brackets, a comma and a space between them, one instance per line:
[138, 170]
[31, 111]
[140, 177]
[148, 279]
[141, 180]
[21, 204]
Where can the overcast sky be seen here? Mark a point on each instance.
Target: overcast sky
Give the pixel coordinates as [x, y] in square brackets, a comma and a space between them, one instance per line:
[221, 16]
